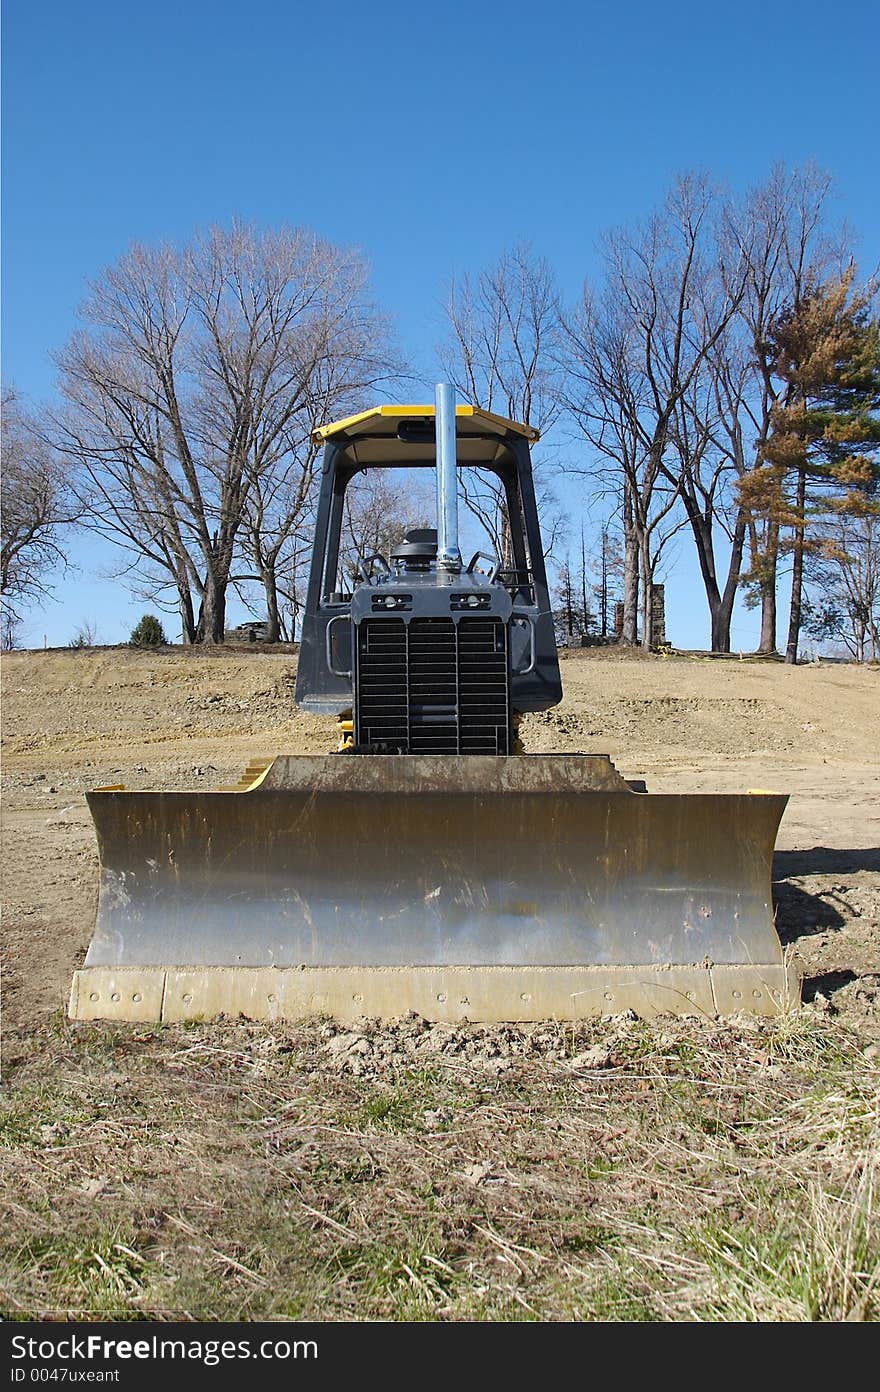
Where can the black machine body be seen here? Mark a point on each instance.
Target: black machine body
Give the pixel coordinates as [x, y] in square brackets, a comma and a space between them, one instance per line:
[430, 654]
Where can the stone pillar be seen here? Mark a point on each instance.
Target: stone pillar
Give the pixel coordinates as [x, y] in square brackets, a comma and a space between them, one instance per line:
[658, 616]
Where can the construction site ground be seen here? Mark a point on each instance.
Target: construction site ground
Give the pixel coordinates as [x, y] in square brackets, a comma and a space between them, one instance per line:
[617, 1169]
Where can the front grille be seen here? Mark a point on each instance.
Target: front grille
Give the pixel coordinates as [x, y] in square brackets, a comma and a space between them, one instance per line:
[432, 686]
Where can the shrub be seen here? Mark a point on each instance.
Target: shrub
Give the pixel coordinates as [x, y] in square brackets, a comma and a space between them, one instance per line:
[148, 633]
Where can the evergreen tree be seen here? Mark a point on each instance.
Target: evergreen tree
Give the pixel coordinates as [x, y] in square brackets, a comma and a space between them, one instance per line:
[148, 633]
[819, 456]
[607, 570]
[566, 615]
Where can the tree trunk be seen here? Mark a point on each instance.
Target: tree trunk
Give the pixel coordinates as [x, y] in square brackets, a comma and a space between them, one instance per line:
[721, 635]
[629, 635]
[721, 614]
[720, 605]
[647, 596]
[797, 571]
[187, 615]
[270, 585]
[767, 645]
[212, 614]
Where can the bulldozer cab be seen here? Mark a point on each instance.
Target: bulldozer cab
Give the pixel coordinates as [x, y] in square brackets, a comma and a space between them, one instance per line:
[403, 438]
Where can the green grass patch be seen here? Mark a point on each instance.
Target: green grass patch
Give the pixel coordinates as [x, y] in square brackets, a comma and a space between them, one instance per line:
[98, 1274]
[825, 1267]
[409, 1280]
[418, 1100]
[40, 1115]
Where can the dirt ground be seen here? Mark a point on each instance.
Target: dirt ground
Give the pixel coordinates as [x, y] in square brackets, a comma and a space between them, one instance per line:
[170, 719]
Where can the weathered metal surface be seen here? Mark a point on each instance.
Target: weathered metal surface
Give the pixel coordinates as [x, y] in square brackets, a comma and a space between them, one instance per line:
[488, 994]
[389, 862]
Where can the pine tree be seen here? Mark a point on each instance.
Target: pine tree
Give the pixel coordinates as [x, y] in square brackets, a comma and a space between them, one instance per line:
[819, 454]
[566, 616]
[148, 633]
[608, 569]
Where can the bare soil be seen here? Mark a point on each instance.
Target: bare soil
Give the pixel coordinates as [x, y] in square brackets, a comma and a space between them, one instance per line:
[412, 1172]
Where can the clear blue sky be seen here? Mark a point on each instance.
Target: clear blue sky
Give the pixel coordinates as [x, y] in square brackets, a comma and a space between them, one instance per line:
[431, 137]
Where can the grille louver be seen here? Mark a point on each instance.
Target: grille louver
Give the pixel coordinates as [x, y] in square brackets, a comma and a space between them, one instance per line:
[433, 686]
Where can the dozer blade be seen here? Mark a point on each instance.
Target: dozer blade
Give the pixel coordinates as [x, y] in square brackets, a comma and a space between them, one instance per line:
[481, 888]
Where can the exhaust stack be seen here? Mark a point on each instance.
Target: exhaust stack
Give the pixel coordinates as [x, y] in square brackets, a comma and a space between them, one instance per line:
[448, 551]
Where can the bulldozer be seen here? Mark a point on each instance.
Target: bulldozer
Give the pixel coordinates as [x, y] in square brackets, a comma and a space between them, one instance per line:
[430, 864]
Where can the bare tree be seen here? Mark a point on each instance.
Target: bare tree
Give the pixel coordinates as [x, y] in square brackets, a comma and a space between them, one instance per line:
[86, 635]
[500, 356]
[602, 393]
[504, 324]
[279, 514]
[707, 435]
[38, 507]
[10, 629]
[845, 583]
[186, 392]
[380, 506]
[277, 528]
[632, 354]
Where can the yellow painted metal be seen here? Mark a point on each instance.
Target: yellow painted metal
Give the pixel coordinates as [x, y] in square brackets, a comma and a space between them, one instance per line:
[491, 994]
[251, 778]
[499, 424]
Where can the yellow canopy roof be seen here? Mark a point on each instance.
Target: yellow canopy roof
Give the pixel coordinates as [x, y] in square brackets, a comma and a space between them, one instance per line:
[376, 421]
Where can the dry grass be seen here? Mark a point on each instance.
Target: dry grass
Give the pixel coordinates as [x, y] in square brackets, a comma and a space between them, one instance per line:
[617, 1170]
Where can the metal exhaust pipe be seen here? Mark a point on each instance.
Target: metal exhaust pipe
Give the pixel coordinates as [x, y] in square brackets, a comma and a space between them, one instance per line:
[448, 551]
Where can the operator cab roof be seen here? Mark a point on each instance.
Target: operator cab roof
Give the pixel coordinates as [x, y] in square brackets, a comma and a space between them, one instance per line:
[405, 435]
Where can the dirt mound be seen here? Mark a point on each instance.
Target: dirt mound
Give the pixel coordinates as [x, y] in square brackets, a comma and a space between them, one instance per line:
[717, 725]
